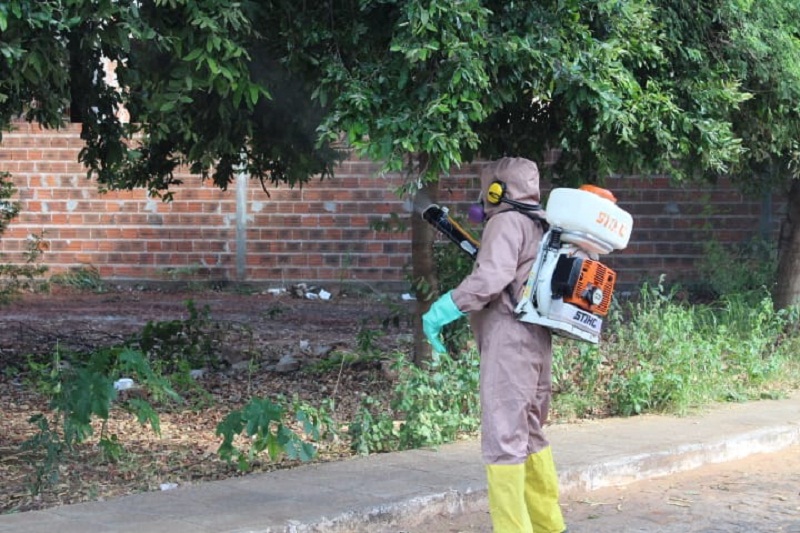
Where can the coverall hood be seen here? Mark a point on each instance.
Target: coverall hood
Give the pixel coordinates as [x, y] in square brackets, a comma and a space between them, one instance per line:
[521, 177]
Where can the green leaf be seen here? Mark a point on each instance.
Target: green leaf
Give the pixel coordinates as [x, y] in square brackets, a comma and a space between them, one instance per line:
[274, 448]
[194, 54]
[212, 65]
[145, 414]
[254, 92]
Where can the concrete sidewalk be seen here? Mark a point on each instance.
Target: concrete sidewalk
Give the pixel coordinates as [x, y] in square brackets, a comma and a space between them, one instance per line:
[351, 495]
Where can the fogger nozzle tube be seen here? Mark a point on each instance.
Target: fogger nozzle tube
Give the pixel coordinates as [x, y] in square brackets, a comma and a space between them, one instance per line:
[439, 218]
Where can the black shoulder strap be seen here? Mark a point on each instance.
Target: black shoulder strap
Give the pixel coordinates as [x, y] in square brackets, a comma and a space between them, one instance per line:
[540, 221]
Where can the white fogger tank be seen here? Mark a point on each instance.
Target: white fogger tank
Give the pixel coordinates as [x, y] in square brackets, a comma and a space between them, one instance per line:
[569, 290]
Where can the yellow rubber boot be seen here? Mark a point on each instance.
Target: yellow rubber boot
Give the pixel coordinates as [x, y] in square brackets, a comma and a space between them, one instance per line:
[541, 493]
[507, 499]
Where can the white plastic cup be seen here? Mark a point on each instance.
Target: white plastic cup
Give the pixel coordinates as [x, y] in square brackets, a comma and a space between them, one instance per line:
[123, 384]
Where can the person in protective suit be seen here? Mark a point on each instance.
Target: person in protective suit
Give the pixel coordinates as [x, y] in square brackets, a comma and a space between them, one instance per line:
[516, 357]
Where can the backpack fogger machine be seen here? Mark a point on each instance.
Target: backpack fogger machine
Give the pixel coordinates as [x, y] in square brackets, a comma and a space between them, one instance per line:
[569, 289]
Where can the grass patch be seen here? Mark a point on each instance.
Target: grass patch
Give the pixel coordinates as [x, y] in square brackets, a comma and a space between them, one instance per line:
[668, 356]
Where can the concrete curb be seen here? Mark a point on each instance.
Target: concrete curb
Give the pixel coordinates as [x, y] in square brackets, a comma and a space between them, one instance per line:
[617, 471]
[412, 511]
[625, 470]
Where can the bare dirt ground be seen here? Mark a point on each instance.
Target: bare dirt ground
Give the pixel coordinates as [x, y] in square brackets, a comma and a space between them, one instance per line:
[260, 338]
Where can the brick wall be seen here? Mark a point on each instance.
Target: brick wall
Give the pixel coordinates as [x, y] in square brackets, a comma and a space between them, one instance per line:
[673, 222]
[321, 233]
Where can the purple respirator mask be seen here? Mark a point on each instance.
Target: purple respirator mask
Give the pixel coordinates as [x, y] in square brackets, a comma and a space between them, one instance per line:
[476, 214]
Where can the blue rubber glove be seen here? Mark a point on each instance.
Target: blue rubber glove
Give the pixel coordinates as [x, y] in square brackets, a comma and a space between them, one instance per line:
[442, 312]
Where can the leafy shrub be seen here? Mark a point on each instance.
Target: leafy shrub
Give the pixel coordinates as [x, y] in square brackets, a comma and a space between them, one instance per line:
[170, 343]
[81, 392]
[673, 356]
[372, 430]
[264, 424]
[439, 402]
[434, 405]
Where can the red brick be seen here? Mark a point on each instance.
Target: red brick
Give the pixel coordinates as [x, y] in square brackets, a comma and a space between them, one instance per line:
[291, 234]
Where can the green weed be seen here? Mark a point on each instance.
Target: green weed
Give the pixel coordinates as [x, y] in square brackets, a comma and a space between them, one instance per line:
[80, 393]
[171, 342]
[80, 278]
[264, 424]
[432, 405]
[17, 278]
[673, 356]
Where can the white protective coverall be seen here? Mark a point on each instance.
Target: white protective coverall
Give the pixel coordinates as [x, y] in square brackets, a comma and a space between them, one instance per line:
[516, 360]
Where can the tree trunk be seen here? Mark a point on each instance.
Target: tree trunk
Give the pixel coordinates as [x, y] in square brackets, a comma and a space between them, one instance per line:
[423, 266]
[787, 288]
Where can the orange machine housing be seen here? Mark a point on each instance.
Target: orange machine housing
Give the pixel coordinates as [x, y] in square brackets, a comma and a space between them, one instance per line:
[591, 277]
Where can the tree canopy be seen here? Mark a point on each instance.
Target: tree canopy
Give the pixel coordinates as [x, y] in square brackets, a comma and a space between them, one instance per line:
[613, 85]
[693, 90]
[188, 74]
[596, 80]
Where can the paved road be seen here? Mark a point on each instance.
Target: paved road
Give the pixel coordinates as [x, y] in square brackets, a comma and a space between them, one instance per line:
[759, 494]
